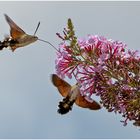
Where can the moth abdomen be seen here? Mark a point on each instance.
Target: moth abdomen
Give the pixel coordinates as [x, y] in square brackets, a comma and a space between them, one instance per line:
[65, 106]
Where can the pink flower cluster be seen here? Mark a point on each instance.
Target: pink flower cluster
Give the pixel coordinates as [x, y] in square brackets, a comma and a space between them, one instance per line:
[105, 68]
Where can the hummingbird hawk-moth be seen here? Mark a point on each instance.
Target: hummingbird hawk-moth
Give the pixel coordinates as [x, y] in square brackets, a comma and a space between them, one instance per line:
[71, 95]
[18, 38]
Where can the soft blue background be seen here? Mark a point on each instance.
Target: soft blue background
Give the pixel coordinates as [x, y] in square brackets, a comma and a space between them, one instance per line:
[28, 100]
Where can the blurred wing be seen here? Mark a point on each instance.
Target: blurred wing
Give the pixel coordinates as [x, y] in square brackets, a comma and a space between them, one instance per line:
[82, 102]
[62, 86]
[15, 31]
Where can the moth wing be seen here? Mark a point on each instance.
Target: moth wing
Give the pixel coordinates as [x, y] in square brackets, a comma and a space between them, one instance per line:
[15, 30]
[62, 86]
[81, 101]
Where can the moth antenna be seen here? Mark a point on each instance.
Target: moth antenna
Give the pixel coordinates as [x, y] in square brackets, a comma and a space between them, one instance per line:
[37, 27]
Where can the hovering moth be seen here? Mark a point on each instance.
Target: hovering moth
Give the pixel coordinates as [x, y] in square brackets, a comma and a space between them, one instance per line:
[71, 95]
[18, 36]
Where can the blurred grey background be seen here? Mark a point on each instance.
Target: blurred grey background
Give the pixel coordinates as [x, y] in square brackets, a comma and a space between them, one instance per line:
[28, 100]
